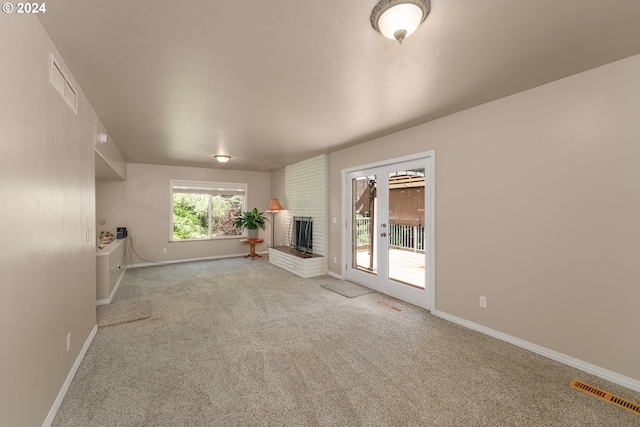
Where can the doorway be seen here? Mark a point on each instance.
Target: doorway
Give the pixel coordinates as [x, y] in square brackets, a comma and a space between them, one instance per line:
[388, 244]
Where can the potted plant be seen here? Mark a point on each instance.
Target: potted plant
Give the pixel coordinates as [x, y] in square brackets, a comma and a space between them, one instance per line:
[252, 220]
[106, 237]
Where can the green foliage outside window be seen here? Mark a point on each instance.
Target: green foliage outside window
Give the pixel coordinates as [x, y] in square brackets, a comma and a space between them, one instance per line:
[224, 211]
[200, 216]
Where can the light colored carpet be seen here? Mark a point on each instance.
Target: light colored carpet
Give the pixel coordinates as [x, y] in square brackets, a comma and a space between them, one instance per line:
[346, 289]
[243, 343]
[124, 312]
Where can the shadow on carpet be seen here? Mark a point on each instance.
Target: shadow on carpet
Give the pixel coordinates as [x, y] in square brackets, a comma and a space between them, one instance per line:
[347, 289]
[124, 312]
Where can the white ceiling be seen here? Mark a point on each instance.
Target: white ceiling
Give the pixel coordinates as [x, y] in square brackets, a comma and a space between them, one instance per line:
[272, 82]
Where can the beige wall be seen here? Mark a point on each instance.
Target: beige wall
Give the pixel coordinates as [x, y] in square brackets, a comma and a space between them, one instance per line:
[537, 208]
[108, 155]
[142, 203]
[47, 268]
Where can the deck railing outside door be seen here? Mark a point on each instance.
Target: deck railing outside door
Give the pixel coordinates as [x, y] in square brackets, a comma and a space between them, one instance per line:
[363, 235]
[405, 237]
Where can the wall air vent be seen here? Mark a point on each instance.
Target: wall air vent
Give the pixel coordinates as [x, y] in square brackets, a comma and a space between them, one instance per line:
[606, 396]
[62, 85]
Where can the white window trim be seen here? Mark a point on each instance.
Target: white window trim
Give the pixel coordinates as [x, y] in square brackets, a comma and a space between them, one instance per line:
[206, 187]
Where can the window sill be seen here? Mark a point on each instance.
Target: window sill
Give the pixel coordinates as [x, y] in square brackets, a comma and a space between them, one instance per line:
[213, 239]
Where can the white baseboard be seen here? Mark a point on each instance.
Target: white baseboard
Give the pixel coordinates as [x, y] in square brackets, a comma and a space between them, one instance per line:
[176, 261]
[598, 371]
[336, 275]
[67, 382]
[106, 301]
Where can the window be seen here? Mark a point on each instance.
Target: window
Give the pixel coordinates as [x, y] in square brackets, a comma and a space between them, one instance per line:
[205, 210]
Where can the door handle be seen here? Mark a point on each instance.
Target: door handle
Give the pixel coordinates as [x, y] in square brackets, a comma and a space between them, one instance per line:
[383, 235]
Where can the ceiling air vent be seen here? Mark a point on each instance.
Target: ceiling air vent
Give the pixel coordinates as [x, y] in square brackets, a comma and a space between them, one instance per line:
[62, 85]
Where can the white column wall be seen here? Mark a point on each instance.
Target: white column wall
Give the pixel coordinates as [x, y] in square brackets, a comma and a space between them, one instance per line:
[306, 195]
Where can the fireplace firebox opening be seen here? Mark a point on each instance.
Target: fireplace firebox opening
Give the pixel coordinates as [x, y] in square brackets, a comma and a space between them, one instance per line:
[302, 234]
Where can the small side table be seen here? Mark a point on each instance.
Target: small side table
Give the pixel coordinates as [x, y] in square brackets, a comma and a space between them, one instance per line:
[252, 245]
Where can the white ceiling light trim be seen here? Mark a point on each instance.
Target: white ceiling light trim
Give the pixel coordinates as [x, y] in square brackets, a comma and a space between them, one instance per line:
[398, 19]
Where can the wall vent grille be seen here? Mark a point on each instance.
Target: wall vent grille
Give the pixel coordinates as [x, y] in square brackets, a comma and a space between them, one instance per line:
[62, 85]
[608, 397]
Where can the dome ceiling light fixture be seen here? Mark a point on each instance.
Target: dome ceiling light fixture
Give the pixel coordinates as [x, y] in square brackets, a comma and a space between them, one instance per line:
[398, 19]
[221, 158]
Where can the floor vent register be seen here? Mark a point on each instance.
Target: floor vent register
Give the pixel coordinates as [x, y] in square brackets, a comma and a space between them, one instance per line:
[608, 397]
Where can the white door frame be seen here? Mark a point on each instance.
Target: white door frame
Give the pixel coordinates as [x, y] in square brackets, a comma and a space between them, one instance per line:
[429, 156]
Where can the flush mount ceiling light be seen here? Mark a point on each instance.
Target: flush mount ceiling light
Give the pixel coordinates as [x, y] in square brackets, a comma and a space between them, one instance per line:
[398, 19]
[221, 158]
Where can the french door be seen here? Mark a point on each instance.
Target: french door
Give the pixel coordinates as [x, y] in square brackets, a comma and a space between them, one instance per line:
[389, 229]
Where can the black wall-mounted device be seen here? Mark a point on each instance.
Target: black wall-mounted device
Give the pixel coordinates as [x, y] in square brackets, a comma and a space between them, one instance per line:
[121, 233]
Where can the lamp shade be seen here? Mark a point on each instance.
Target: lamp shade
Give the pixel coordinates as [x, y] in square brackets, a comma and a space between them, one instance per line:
[275, 206]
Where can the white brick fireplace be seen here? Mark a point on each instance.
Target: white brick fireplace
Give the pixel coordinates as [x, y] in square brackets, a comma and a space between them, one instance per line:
[306, 196]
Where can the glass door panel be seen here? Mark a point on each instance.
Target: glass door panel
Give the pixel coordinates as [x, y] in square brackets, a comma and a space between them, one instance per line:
[363, 214]
[406, 219]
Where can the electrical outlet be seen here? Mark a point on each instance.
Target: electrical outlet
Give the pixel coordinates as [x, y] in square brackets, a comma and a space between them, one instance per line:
[483, 302]
[102, 221]
[164, 250]
[335, 260]
[69, 341]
